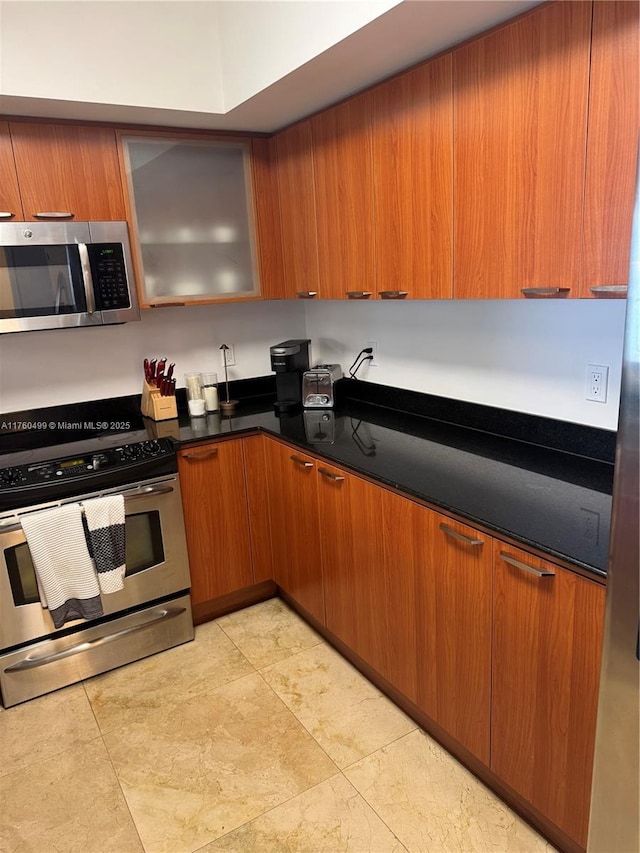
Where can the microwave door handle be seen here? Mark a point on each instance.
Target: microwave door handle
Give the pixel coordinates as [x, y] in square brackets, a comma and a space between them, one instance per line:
[87, 278]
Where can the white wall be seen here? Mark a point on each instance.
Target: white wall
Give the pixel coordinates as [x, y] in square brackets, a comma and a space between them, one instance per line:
[158, 54]
[522, 356]
[526, 356]
[190, 55]
[261, 42]
[39, 369]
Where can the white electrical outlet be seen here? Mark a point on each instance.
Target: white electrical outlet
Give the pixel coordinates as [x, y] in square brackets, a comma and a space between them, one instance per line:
[597, 382]
[374, 361]
[228, 355]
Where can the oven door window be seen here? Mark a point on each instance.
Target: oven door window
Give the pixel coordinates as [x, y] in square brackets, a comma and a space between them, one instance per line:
[144, 550]
[41, 281]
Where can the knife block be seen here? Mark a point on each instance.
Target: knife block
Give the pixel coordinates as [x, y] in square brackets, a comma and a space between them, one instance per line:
[153, 405]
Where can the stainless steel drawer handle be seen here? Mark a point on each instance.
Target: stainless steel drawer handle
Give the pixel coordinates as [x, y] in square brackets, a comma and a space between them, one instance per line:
[302, 462]
[330, 475]
[393, 294]
[358, 294]
[307, 294]
[54, 214]
[454, 533]
[6, 214]
[539, 573]
[42, 660]
[202, 454]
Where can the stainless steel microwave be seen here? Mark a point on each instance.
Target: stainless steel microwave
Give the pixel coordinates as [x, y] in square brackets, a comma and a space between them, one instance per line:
[57, 275]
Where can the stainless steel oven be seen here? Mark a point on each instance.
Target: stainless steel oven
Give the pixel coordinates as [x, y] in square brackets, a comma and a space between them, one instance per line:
[152, 612]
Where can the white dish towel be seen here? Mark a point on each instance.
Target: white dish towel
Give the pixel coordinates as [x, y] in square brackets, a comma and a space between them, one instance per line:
[64, 569]
[106, 538]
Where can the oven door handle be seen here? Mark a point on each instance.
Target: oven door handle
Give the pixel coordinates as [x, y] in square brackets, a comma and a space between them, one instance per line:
[42, 660]
[145, 492]
[10, 525]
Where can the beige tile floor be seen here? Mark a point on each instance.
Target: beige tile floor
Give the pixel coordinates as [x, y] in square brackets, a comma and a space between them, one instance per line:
[256, 737]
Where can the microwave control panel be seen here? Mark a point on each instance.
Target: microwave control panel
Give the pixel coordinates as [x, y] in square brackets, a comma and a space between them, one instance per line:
[109, 276]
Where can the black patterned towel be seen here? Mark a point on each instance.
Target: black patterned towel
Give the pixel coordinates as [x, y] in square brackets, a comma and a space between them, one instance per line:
[66, 576]
[105, 531]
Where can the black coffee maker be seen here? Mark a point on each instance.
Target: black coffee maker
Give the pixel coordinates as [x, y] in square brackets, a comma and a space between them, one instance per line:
[289, 359]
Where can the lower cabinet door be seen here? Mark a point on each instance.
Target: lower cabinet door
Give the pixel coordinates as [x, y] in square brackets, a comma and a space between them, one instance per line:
[351, 540]
[453, 607]
[547, 640]
[255, 471]
[295, 531]
[216, 519]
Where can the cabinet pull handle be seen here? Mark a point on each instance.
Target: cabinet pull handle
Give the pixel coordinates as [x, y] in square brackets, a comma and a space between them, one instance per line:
[307, 294]
[6, 214]
[454, 533]
[213, 451]
[393, 294]
[358, 294]
[54, 214]
[302, 462]
[167, 304]
[539, 573]
[330, 475]
[545, 292]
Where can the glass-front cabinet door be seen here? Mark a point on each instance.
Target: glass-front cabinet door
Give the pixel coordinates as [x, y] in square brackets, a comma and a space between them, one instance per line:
[191, 207]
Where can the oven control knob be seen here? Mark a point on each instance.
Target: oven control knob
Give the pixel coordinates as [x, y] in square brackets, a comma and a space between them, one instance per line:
[10, 476]
[131, 451]
[151, 446]
[97, 460]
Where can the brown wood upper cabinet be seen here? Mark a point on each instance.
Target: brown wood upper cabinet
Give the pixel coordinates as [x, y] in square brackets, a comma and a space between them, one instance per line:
[67, 172]
[214, 500]
[547, 636]
[412, 134]
[10, 203]
[520, 117]
[612, 144]
[298, 213]
[267, 212]
[342, 162]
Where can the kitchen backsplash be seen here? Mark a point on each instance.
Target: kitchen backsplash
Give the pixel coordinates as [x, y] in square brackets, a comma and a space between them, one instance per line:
[73, 365]
[522, 356]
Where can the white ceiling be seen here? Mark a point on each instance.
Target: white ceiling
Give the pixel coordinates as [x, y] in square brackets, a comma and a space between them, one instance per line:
[405, 34]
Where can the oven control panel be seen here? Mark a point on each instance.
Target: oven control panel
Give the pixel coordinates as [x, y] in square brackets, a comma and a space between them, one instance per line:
[90, 463]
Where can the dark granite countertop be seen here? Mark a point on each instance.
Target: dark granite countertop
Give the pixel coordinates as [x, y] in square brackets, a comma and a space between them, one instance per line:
[544, 483]
[553, 500]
